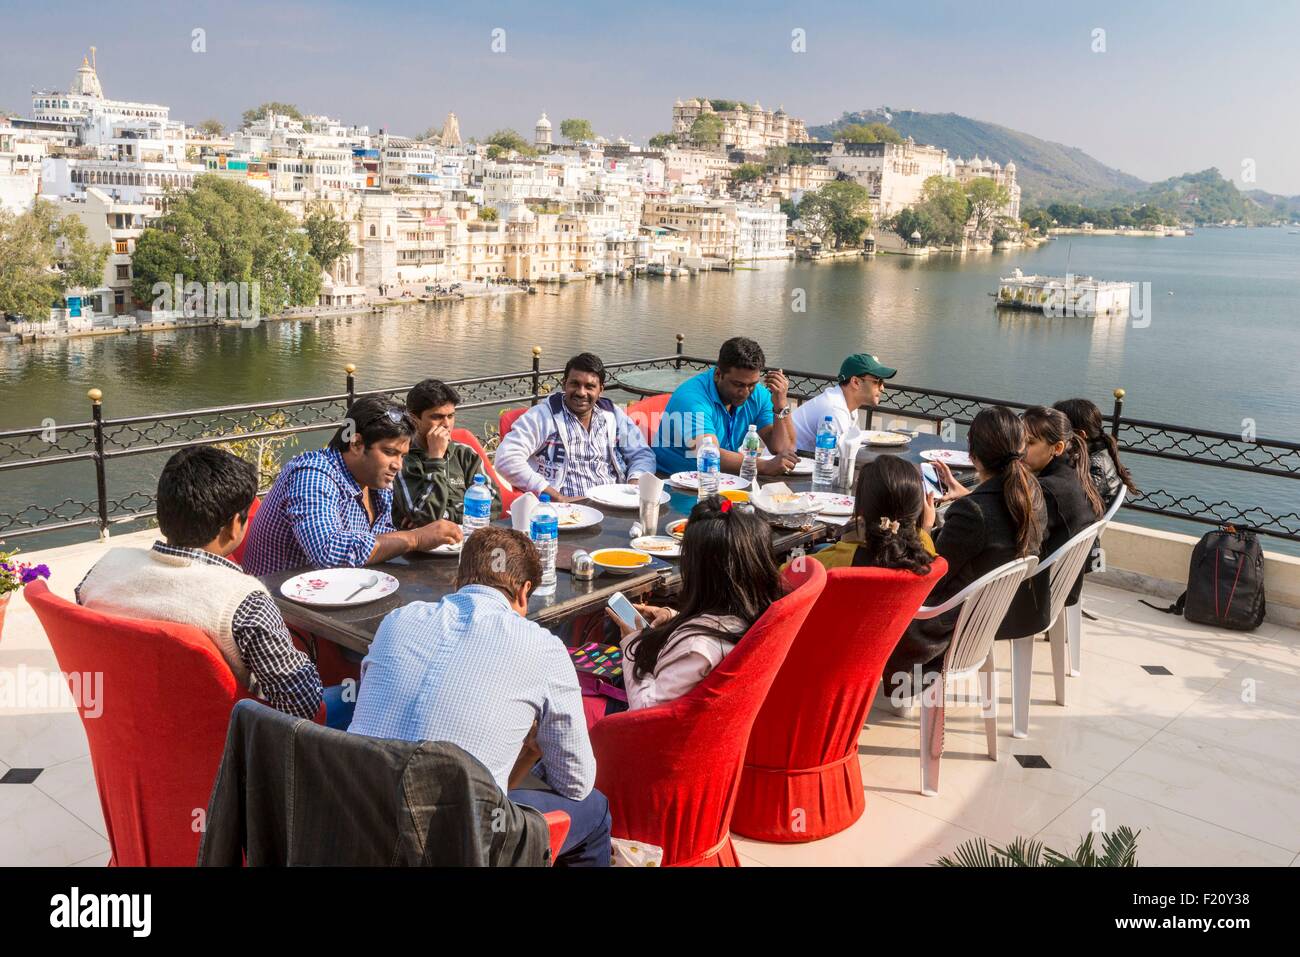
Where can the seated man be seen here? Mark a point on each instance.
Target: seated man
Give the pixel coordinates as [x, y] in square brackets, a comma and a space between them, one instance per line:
[574, 440]
[472, 670]
[332, 507]
[204, 495]
[723, 402]
[861, 382]
[436, 471]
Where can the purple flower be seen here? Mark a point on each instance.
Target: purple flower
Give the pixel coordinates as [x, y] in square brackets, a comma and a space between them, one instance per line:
[30, 574]
[43, 571]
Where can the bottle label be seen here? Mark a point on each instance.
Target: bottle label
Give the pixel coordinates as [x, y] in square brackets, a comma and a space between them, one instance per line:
[709, 461]
[476, 507]
[542, 531]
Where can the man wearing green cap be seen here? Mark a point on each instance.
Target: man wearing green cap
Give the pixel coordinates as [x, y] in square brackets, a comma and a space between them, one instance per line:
[861, 382]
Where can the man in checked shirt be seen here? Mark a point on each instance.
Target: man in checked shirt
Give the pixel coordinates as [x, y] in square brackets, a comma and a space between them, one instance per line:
[204, 495]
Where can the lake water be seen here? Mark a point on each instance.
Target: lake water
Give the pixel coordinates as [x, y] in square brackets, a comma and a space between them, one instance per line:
[1223, 348]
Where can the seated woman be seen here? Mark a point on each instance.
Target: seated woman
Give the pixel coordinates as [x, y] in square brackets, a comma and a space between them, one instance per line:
[1104, 466]
[729, 578]
[1060, 460]
[892, 515]
[1003, 518]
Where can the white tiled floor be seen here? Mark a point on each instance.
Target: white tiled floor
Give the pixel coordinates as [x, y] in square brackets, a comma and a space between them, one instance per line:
[1205, 761]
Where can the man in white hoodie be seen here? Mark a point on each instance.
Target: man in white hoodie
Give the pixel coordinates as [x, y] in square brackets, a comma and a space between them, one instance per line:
[574, 440]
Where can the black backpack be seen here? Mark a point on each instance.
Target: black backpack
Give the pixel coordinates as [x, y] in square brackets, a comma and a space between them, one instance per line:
[1225, 583]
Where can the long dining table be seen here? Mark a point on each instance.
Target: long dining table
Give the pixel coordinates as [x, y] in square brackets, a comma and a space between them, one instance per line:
[429, 578]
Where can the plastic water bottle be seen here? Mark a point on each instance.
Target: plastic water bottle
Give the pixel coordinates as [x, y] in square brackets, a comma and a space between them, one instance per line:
[749, 454]
[544, 530]
[824, 470]
[478, 506]
[708, 462]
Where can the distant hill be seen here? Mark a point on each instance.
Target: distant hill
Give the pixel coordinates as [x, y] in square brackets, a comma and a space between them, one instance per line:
[1284, 207]
[1206, 197]
[1047, 171]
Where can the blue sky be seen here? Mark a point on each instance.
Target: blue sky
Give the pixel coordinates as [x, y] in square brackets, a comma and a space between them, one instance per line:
[1180, 86]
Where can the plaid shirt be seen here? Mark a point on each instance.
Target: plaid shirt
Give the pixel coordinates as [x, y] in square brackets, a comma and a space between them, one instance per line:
[314, 517]
[470, 670]
[280, 674]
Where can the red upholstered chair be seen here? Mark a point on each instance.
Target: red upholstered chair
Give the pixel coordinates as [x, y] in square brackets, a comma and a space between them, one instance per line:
[237, 556]
[671, 772]
[466, 437]
[557, 824]
[646, 413]
[507, 419]
[802, 781]
[166, 699]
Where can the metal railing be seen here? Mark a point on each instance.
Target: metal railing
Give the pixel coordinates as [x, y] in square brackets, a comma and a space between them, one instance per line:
[104, 440]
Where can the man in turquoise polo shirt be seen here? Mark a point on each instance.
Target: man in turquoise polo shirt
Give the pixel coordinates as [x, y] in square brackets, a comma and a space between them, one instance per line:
[723, 402]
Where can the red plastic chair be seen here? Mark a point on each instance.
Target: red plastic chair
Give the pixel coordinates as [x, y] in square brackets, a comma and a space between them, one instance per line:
[557, 823]
[646, 413]
[671, 772]
[508, 495]
[237, 556]
[802, 780]
[155, 748]
[507, 420]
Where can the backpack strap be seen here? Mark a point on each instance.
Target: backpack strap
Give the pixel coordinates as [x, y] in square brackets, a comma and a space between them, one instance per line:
[1175, 609]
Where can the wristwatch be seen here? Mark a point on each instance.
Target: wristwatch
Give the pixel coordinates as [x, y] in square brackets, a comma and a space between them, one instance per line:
[785, 412]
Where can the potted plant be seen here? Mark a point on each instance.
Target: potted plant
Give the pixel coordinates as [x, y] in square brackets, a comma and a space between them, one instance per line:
[1118, 849]
[14, 575]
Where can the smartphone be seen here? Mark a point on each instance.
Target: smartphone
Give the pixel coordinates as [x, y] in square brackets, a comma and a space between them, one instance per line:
[626, 613]
[931, 479]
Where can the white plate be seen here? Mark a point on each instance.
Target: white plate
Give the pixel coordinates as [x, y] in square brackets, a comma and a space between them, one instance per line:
[597, 558]
[576, 517]
[330, 587]
[691, 481]
[885, 439]
[832, 503]
[803, 467]
[621, 496]
[449, 548]
[953, 458]
[661, 546]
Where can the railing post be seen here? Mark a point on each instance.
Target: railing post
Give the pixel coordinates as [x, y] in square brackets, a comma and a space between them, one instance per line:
[680, 340]
[1114, 419]
[101, 479]
[537, 373]
[351, 370]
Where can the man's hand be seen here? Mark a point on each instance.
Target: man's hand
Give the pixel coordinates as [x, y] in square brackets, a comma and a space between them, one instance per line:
[529, 755]
[779, 464]
[437, 533]
[438, 439]
[779, 386]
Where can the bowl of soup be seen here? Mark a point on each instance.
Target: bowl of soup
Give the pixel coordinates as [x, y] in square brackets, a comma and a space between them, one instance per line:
[620, 561]
[735, 495]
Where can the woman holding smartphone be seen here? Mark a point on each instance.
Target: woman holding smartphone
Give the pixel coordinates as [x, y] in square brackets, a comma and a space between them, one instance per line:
[729, 578]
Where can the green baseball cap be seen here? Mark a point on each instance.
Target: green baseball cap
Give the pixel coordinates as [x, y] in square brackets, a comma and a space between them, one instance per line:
[862, 363]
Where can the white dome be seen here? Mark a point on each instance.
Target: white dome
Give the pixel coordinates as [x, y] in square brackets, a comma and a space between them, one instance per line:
[543, 123]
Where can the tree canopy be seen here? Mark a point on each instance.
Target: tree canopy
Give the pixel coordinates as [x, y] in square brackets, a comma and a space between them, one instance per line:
[42, 256]
[868, 133]
[212, 127]
[746, 173]
[506, 141]
[706, 131]
[257, 112]
[577, 131]
[224, 231]
[838, 213]
[328, 237]
[986, 198]
[660, 140]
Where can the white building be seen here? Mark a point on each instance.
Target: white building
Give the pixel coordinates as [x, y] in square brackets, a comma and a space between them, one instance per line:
[893, 172]
[966, 171]
[761, 232]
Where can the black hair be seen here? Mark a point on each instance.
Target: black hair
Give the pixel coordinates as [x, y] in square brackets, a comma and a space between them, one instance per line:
[741, 353]
[200, 490]
[1086, 418]
[890, 488]
[374, 418]
[586, 362]
[430, 394]
[728, 569]
[1052, 426]
[997, 440]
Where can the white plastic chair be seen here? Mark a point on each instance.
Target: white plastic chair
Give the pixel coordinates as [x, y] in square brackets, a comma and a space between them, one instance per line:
[1062, 568]
[984, 603]
[1074, 613]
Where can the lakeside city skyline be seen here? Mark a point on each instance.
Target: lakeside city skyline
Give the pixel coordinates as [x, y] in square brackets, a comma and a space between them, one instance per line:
[434, 63]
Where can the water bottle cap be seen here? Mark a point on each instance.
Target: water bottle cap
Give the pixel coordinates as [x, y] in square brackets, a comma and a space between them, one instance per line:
[544, 498]
[828, 419]
[479, 480]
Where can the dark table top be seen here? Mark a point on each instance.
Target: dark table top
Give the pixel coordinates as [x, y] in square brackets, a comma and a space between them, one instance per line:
[423, 577]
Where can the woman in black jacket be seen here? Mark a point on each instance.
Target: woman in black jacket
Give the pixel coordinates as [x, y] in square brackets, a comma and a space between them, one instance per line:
[1104, 467]
[1003, 518]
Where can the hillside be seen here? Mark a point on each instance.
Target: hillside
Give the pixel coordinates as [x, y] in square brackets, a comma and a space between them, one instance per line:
[1206, 197]
[1284, 207]
[1046, 171]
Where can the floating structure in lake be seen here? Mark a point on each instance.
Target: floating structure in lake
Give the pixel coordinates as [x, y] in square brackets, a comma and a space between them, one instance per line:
[1070, 295]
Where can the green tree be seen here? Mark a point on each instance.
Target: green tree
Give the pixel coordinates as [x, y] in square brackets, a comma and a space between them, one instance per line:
[487, 214]
[779, 156]
[746, 173]
[986, 198]
[328, 237]
[431, 135]
[948, 208]
[507, 141]
[790, 209]
[660, 140]
[706, 131]
[577, 131]
[212, 127]
[224, 231]
[868, 133]
[256, 113]
[42, 256]
[917, 220]
[838, 213]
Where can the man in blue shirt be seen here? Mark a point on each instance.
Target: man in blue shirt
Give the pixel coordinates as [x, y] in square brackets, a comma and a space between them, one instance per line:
[723, 402]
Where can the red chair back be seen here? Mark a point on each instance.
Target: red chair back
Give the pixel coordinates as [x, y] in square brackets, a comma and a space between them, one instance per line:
[507, 419]
[671, 772]
[646, 413]
[466, 437]
[237, 556]
[802, 780]
[166, 700]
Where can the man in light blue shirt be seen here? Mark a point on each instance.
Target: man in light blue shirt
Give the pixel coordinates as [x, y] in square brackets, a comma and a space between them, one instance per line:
[472, 670]
[723, 402]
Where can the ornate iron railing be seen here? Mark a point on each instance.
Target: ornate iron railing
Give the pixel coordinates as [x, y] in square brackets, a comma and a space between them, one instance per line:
[102, 441]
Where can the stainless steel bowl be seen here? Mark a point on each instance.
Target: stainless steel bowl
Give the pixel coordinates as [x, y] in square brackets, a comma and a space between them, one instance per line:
[800, 519]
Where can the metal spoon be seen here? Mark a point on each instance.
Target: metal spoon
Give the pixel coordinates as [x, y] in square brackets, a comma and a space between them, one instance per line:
[370, 582]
